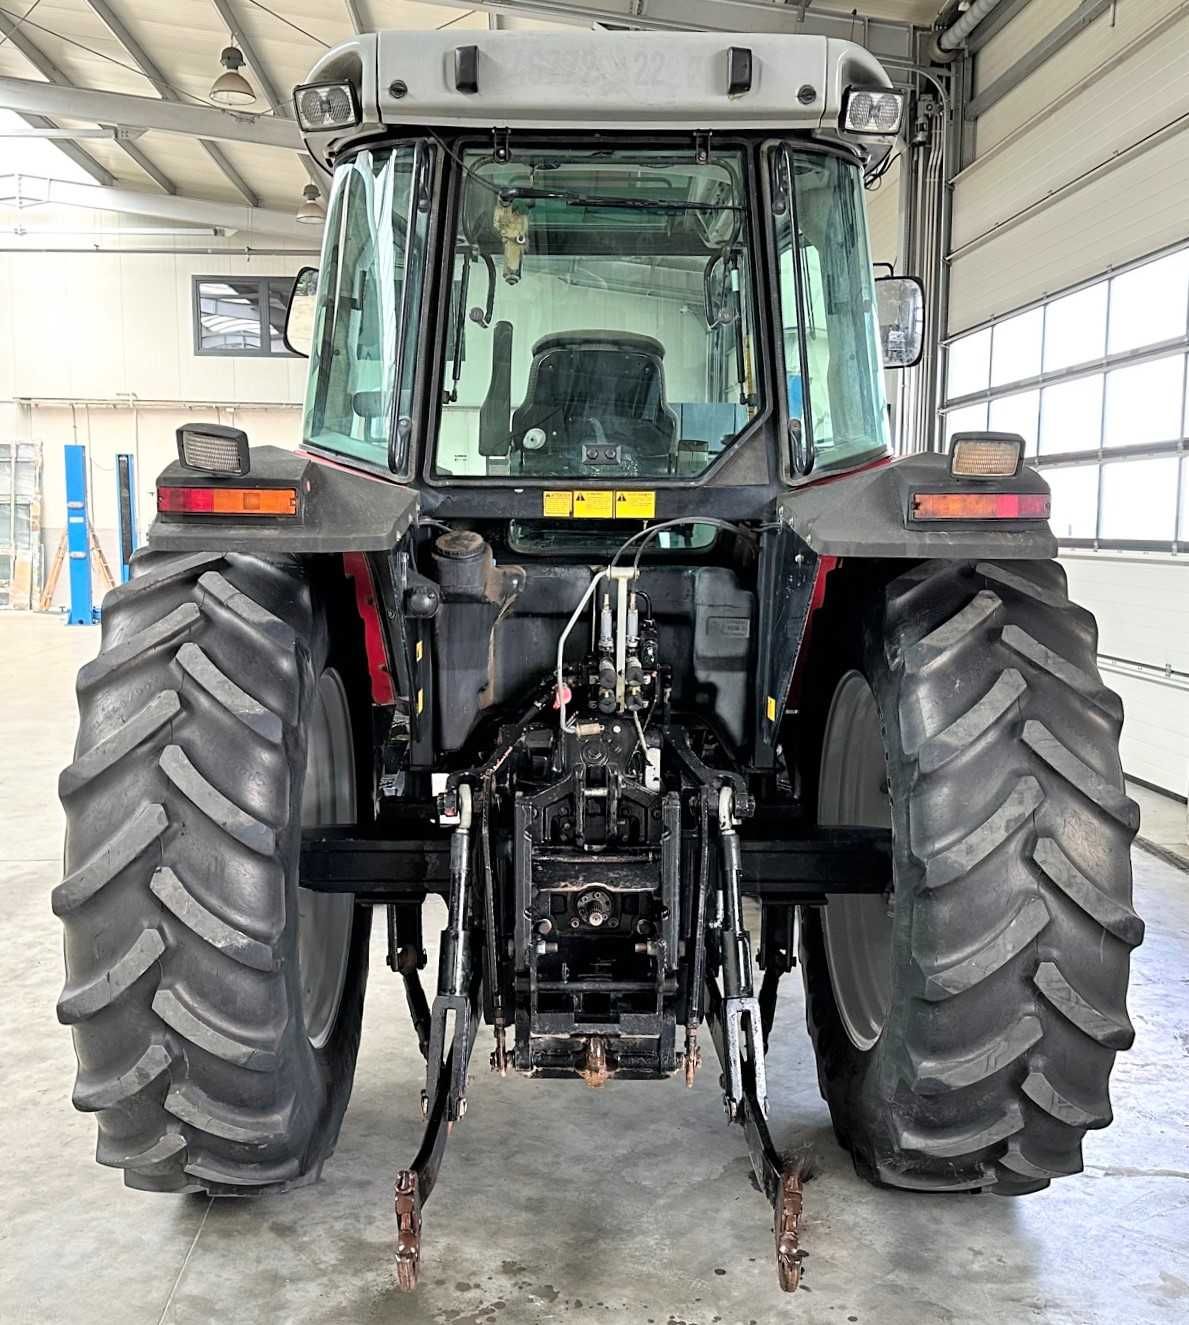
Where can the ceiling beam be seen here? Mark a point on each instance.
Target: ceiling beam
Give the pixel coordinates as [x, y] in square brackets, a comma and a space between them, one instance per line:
[229, 216]
[148, 66]
[16, 34]
[72, 151]
[229, 173]
[57, 134]
[154, 172]
[129, 112]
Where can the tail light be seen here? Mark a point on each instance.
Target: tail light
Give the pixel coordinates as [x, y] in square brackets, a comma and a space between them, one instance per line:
[980, 506]
[226, 501]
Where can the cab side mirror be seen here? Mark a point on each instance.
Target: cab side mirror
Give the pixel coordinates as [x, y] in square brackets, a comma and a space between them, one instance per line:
[901, 308]
[299, 318]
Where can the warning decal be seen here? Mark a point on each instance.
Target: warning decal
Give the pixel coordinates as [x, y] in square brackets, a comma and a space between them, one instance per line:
[635, 505]
[598, 504]
[593, 504]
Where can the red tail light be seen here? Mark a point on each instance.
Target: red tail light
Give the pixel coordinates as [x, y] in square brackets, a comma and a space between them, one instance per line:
[226, 501]
[980, 505]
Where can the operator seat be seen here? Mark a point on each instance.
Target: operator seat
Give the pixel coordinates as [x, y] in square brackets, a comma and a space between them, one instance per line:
[598, 398]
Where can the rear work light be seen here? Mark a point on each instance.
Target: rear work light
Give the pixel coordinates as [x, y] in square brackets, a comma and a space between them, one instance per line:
[872, 110]
[214, 449]
[227, 501]
[326, 106]
[986, 455]
[980, 506]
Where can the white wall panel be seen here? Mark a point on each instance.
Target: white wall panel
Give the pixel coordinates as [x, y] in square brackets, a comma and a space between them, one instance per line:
[1155, 730]
[1142, 607]
[151, 325]
[103, 326]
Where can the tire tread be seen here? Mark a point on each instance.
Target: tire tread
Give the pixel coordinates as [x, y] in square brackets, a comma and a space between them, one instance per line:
[1011, 830]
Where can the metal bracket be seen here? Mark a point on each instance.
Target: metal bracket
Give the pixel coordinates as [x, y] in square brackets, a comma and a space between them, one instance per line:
[777, 957]
[501, 140]
[743, 1041]
[407, 957]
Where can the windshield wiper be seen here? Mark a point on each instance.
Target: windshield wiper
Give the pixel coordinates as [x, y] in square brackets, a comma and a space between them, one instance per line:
[611, 200]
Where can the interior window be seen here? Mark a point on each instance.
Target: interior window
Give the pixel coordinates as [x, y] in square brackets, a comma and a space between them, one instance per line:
[602, 321]
[835, 316]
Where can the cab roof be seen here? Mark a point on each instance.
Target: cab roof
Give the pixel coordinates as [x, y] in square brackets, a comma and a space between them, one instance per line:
[670, 81]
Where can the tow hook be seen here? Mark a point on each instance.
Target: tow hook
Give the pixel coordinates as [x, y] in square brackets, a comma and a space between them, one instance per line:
[595, 1070]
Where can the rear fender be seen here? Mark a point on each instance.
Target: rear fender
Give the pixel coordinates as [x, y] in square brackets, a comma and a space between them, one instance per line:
[338, 510]
[867, 514]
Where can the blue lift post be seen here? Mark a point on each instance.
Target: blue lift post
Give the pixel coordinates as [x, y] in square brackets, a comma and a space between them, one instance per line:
[78, 538]
[126, 511]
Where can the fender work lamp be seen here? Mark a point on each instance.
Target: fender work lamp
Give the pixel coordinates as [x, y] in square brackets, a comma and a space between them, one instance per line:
[214, 449]
[986, 454]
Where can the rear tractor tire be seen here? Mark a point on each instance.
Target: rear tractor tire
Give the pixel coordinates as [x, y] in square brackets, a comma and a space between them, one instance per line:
[215, 1004]
[966, 1024]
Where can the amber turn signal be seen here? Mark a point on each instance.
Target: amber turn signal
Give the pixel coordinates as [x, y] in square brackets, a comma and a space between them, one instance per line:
[226, 501]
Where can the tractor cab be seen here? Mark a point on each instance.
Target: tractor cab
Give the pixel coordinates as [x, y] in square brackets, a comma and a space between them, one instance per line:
[524, 296]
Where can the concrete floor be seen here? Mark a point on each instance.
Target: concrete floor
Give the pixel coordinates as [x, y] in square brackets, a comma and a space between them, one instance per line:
[556, 1203]
[1165, 823]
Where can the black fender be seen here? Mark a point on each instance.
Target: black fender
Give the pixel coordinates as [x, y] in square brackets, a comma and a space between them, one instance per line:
[868, 514]
[338, 510]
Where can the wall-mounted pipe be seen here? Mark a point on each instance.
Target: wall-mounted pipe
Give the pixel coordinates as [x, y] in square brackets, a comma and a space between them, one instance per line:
[947, 45]
[167, 252]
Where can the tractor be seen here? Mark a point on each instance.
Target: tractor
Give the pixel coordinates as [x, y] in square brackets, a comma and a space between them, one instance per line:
[593, 602]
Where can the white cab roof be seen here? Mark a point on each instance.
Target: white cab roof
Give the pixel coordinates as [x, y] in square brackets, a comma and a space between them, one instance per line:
[595, 80]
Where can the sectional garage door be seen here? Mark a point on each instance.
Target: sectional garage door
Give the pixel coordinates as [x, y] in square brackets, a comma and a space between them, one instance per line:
[1069, 322]
[1081, 166]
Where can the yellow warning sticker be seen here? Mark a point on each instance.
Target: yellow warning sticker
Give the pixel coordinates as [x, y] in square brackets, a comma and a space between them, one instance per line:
[771, 709]
[590, 504]
[420, 650]
[635, 505]
[420, 700]
[594, 504]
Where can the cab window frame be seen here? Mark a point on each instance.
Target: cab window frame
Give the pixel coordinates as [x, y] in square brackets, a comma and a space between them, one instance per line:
[453, 152]
[771, 151]
[400, 462]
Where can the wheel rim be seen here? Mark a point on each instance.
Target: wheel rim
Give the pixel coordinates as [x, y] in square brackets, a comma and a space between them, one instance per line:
[324, 919]
[857, 928]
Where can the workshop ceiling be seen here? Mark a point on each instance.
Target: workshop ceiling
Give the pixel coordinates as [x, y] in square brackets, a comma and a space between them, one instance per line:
[170, 49]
